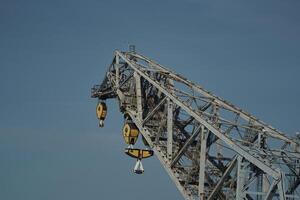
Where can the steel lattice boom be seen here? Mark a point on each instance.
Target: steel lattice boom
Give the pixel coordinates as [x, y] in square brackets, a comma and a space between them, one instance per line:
[210, 148]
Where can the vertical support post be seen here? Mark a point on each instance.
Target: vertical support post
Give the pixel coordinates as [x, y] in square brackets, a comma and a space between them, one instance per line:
[281, 187]
[117, 67]
[203, 137]
[241, 176]
[138, 96]
[214, 119]
[259, 138]
[170, 129]
[266, 184]
[259, 186]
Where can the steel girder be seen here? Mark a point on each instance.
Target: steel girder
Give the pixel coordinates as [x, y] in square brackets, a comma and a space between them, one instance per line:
[210, 148]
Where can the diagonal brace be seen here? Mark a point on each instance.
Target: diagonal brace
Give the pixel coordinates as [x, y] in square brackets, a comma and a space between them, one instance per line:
[186, 144]
[154, 110]
[223, 178]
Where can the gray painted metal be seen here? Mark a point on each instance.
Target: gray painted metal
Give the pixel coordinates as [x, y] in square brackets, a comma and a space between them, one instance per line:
[202, 163]
[235, 156]
[170, 130]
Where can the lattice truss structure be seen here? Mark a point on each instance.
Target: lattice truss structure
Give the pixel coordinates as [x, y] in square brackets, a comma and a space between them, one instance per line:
[210, 148]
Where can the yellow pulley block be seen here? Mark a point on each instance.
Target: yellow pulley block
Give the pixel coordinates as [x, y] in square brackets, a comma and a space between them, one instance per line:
[139, 153]
[101, 112]
[130, 133]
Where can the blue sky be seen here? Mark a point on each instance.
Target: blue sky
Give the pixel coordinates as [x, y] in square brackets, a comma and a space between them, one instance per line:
[52, 52]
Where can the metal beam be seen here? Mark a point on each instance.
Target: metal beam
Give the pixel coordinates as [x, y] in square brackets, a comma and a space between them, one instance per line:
[281, 188]
[240, 179]
[203, 137]
[169, 129]
[138, 95]
[117, 66]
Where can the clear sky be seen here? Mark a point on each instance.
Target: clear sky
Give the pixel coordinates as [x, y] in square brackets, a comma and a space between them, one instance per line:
[52, 52]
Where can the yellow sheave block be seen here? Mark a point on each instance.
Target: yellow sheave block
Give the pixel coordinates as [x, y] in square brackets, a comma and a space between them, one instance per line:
[139, 153]
[101, 110]
[130, 133]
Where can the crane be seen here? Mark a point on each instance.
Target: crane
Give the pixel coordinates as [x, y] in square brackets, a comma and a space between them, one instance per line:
[210, 148]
